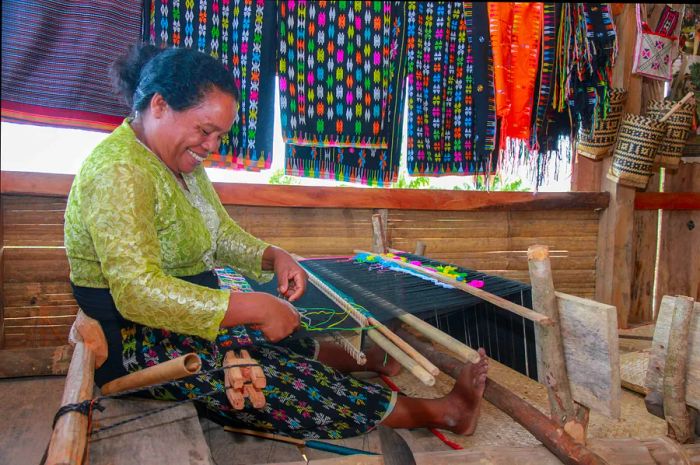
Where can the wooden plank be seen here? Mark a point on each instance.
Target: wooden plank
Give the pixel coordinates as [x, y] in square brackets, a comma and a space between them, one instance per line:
[41, 311]
[614, 269]
[667, 201]
[39, 336]
[35, 361]
[679, 257]
[589, 332]
[2, 275]
[347, 197]
[645, 230]
[173, 436]
[657, 359]
[35, 293]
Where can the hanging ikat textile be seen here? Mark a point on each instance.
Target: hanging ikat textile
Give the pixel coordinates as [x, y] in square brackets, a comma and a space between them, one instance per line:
[56, 58]
[451, 113]
[241, 33]
[341, 89]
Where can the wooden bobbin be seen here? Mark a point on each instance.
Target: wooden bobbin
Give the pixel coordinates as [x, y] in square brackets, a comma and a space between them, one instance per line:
[243, 381]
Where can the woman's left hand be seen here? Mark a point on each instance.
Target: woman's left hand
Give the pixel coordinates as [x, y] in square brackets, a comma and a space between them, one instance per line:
[291, 277]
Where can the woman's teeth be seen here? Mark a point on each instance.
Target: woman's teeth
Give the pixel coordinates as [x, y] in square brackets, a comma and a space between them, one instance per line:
[199, 159]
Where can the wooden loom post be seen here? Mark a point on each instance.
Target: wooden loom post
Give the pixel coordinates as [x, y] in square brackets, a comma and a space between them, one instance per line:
[378, 234]
[544, 429]
[69, 436]
[550, 347]
[675, 371]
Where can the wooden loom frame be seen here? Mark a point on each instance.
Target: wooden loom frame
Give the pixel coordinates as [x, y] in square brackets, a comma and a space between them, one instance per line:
[568, 422]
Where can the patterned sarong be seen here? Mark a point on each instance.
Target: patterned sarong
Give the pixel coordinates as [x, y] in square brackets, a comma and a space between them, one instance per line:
[341, 89]
[241, 33]
[56, 58]
[451, 121]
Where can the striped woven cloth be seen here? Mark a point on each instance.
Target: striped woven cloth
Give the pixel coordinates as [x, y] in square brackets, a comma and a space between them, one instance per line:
[56, 56]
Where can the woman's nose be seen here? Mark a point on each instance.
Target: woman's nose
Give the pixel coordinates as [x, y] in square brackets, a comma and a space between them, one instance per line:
[211, 144]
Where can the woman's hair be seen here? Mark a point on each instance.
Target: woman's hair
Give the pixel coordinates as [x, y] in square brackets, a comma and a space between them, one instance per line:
[181, 75]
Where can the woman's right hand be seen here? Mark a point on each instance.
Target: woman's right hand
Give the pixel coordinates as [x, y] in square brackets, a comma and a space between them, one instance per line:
[276, 318]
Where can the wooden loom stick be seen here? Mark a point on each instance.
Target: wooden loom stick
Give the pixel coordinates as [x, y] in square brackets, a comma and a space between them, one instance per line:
[543, 428]
[487, 296]
[401, 344]
[459, 349]
[69, 436]
[176, 368]
[675, 371]
[400, 356]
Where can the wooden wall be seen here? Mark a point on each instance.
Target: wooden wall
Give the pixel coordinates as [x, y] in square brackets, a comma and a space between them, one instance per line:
[490, 233]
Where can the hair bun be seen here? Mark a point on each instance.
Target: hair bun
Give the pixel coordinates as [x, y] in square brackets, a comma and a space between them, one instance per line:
[126, 70]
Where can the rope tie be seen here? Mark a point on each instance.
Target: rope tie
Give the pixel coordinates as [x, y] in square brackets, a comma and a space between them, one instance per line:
[85, 407]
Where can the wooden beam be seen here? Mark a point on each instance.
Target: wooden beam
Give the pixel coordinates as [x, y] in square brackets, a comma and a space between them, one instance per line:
[551, 364]
[675, 371]
[615, 261]
[58, 185]
[657, 358]
[667, 201]
[545, 430]
[2, 280]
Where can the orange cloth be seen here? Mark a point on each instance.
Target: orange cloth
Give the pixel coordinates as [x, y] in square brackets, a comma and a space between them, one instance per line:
[516, 32]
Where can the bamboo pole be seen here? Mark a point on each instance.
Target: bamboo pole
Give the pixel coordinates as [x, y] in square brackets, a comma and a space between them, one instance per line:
[544, 429]
[177, 368]
[538, 318]
[401, 344]
[550, 347]
[677, 106]
[675, 372]
[69, 436]
[399, 355]
[459, 349]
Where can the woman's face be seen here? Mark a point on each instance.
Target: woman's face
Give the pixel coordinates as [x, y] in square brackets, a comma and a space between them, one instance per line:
[183, 139]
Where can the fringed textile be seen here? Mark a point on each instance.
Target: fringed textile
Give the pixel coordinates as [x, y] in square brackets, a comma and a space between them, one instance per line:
[341, 87]
[451, 112]
[595, 49]
[241, 33]
[516, 30]
[56, 58]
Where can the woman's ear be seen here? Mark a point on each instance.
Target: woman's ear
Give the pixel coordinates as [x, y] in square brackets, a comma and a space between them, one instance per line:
[158, 105]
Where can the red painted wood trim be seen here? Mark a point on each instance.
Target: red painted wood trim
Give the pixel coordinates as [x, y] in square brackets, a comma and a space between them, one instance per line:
[667, 201]
[58, 185]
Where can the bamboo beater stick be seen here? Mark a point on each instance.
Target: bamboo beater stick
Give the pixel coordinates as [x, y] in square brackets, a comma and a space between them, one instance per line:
[487, 296]
[406, 360]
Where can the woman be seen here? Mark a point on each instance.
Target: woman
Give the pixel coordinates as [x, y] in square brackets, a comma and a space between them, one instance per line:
[144, 230]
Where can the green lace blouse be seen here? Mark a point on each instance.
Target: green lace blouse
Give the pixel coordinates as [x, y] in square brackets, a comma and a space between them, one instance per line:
[131, 227]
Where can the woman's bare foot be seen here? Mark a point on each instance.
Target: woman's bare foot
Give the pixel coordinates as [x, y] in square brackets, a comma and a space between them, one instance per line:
[465, 397]
[380, 362]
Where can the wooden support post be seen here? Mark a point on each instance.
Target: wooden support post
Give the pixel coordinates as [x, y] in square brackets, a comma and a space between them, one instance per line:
[379, 244]
[545, 430]
[677, 416]
[69, 437]
[550, 347]
[420, 248]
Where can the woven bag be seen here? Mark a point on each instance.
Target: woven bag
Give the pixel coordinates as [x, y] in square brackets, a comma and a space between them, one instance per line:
[637, 143]
[679, 124]
[598, 144]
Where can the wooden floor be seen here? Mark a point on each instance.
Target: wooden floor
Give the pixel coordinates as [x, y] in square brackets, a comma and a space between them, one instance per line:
[29, 405]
